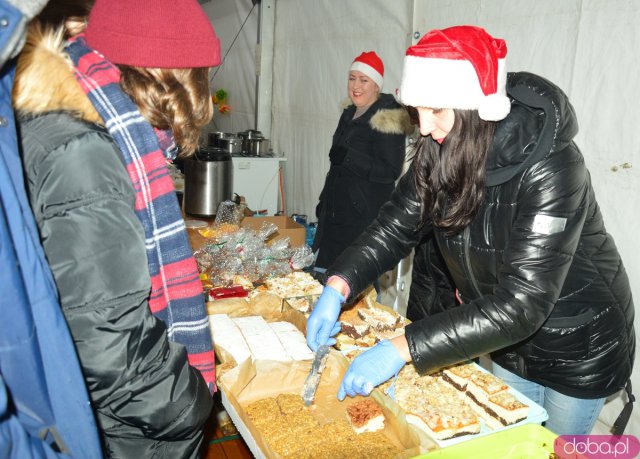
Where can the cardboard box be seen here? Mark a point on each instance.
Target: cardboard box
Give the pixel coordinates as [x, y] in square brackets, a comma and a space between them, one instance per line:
[256, 379]
[259, 379]
[286, 227]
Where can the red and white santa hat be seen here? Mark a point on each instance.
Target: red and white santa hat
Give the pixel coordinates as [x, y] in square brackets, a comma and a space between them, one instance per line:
[459, 67]
[371, 65]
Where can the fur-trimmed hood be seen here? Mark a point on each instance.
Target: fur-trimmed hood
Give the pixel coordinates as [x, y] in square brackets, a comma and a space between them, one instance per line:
[45, 81]
[390, 117]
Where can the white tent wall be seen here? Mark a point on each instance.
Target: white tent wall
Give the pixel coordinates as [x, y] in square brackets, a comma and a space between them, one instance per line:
[587, 47]
[237, 74]
[315, 43]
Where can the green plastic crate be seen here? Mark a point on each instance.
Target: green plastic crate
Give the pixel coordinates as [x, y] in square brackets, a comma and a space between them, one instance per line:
[529, 441]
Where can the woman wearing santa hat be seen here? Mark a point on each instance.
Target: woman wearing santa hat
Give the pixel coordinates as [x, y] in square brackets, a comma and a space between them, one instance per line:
[367, 155]
[502, 187]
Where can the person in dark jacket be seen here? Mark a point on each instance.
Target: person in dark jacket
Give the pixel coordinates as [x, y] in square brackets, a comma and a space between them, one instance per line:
[98, 117]
[504, 190]
[45, 410]
[367, 156]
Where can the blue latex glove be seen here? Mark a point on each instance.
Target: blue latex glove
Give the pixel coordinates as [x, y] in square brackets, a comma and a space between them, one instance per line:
[323, 321]
[370, 369]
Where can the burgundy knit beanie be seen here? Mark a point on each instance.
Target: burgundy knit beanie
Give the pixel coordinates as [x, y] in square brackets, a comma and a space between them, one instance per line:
[153, 33]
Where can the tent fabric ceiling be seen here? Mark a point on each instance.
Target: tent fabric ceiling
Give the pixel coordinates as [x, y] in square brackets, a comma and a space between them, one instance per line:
[588, 47]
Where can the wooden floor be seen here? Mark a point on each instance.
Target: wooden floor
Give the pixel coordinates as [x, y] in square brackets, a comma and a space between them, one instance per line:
[223, 444]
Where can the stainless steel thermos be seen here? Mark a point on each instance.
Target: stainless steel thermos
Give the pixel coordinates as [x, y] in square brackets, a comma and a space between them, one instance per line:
[208, 180]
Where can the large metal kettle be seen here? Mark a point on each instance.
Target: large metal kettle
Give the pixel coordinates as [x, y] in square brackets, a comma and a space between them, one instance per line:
[208, 180]
[251, 141]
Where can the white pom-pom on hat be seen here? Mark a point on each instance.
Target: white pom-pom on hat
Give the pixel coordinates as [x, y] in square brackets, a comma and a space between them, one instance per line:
[494, 107]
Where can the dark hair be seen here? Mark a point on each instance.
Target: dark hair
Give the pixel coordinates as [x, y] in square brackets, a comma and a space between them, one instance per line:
[449, 178]
[58, 11]
[175, 99]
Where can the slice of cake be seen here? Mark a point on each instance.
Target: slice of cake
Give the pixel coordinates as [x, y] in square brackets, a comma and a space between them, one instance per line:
[489, 396]
[501, 410]
[228, 338]
[261, 339]
[458, 375]
[387, 334]
[436, 408]
[365, 416]
[379, 319]
[443, 427]
[352, 324]
[293, 341]
[481, 386]
[295, 284]
[301, 303]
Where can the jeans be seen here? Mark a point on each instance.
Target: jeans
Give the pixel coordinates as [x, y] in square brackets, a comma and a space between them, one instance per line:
[567, 415]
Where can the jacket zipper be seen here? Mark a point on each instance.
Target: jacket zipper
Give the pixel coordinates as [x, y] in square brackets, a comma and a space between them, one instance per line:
[466, 262]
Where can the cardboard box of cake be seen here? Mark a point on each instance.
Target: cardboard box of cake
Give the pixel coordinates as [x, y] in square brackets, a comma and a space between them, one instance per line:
[264, 397]
[261, 369]
[259, 326]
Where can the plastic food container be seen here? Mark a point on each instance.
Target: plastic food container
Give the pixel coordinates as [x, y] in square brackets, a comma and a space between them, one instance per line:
[529, 441]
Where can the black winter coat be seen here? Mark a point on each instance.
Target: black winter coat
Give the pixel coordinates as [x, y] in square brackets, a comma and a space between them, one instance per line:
[543, 287]
[367, 155]
[149, 402]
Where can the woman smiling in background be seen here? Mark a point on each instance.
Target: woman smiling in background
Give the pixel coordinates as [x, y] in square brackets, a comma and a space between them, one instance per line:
[367, 155]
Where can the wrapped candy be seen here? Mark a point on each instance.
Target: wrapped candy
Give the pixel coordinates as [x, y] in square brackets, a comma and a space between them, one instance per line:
[302, 257]
[243, 255]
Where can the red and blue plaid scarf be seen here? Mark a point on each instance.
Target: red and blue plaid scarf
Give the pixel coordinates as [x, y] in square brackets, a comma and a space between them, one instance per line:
[176, 291]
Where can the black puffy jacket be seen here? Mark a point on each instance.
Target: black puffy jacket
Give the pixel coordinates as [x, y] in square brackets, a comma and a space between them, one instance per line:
[367, 155]
[543, 287]
[149, 402]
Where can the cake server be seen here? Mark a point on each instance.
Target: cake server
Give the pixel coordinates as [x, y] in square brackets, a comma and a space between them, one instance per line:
[313, 378]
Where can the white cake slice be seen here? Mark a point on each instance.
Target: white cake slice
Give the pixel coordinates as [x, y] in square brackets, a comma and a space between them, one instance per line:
[252, 325]
[293, 341]
[283, 327]
[227, 336]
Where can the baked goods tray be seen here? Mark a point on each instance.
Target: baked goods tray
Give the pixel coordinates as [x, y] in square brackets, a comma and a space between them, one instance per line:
[258, 379]
[537, 415]
[242, 428]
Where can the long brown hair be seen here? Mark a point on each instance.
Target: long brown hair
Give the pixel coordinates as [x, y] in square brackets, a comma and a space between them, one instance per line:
[450, 177]
[175, 99]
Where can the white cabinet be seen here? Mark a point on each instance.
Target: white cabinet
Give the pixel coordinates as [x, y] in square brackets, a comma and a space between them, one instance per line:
[258, 180]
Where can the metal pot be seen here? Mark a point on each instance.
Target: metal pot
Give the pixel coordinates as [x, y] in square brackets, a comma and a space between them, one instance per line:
[250, 134]
[214, 138]
[247, 136]
[231, 144]
[257, 147]
[208, 180]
